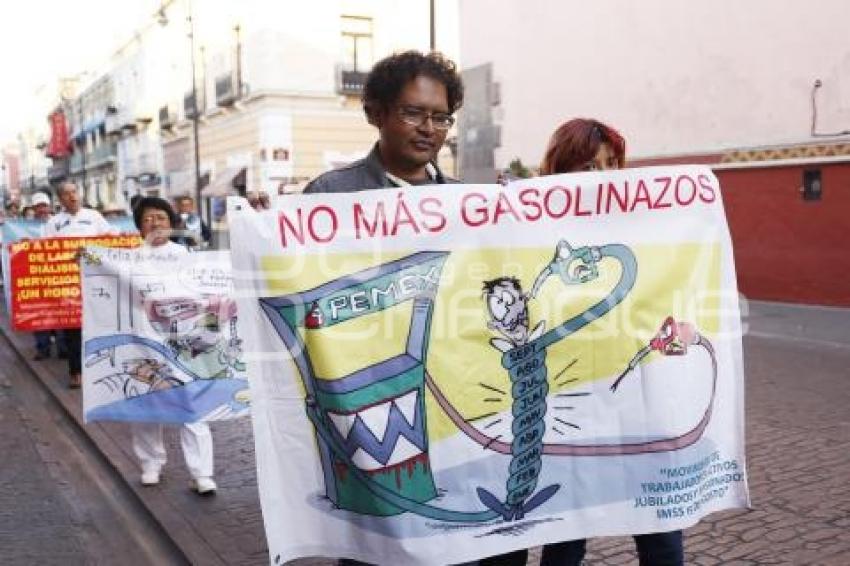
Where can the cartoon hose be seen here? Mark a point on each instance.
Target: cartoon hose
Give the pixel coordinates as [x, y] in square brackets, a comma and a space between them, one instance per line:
[661, 344]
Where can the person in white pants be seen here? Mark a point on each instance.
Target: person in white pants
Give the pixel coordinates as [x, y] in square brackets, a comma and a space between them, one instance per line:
[155, 219]
[197, 445]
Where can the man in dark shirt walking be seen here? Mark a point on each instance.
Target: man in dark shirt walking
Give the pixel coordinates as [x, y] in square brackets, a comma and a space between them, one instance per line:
[410, 97]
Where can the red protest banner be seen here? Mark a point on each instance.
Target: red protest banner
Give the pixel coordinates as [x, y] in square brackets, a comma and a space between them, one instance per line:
[45, 277]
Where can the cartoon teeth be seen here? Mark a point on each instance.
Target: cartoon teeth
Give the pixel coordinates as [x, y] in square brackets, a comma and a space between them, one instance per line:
[404, 450]
[364, 461]
[376, 419]
[407, 405]
[392, 423]
[343, 423]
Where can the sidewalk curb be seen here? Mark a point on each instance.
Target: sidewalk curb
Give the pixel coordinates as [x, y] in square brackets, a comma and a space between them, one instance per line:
[184, 536]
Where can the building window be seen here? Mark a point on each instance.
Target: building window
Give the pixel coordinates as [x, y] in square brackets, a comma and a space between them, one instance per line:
[357, 43]
[812, 184]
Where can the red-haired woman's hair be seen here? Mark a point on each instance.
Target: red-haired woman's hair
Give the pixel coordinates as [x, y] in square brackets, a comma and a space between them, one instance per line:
[576, 142]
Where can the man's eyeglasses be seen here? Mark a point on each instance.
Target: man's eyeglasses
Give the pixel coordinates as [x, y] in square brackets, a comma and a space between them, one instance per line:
[415, 116]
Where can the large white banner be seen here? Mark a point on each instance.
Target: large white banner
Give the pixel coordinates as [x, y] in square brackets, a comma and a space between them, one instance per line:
[451, 372]
[160, 341]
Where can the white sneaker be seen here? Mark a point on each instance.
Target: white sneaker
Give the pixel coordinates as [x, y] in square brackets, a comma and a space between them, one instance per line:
[150, 477]
[204, 486]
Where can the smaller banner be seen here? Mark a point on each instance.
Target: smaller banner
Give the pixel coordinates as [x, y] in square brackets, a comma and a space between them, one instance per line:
[18, 229]
[159, 335]
[11, 232]
[45, 280]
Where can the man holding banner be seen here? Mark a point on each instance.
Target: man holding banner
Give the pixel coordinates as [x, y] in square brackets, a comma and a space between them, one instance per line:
[74, 220]
[410, 98]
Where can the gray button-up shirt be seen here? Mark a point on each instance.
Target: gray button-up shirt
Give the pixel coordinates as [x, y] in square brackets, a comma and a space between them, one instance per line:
[362, 175]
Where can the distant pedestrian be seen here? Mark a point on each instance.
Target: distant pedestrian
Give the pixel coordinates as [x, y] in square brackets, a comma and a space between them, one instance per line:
[194, 231]
[41, 211]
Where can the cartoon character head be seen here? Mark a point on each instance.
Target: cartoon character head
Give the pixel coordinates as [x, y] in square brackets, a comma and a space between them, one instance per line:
[507, 306]
[153, 373]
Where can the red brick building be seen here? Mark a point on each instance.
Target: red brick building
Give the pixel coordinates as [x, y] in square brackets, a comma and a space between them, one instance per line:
[789, 213]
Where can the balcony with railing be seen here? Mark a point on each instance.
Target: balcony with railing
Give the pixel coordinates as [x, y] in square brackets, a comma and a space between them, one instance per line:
[102, 154]
[189, 107]
[350, 81]
[59, 170]
[75, 164]
[167, 119]
[225, 90]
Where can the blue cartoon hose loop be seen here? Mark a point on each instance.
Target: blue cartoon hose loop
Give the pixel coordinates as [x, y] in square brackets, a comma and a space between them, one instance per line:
[529, 407]
[527, 370]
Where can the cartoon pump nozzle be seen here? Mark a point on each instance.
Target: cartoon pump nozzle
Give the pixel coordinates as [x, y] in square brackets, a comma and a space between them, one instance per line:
[573, 265]
[672, 339]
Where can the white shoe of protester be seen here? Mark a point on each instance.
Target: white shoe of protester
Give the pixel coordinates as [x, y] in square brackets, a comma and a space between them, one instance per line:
[150, 477]
[204, 486]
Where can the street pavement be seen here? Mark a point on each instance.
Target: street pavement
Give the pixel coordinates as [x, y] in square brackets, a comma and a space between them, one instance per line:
[798, 445]
[60, 500]
[30, 496]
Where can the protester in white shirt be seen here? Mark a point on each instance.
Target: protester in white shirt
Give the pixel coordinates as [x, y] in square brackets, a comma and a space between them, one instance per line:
[74, 220]
[155, 219]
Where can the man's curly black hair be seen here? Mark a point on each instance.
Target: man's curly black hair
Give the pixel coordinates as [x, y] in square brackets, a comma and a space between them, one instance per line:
[389, 76]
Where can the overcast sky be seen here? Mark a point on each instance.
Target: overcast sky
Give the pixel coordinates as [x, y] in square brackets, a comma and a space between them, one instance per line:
[41, 40]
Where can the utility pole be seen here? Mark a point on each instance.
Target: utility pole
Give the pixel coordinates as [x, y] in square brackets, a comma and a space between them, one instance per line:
[195, 116]
[238, 62]
[433, 28]
[3, 185]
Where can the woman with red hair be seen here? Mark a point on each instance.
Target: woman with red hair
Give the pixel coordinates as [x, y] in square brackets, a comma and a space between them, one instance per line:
[584, 145]
[589, 145]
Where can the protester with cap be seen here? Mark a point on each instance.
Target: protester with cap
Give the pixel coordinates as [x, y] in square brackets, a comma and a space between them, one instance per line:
[40, 204]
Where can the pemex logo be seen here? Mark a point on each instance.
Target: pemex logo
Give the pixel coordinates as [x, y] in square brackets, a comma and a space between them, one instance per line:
[315, 317]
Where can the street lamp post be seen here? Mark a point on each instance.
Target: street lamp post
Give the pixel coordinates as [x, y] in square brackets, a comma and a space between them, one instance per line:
[433, 28]
[3, 185]
[195, 116]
